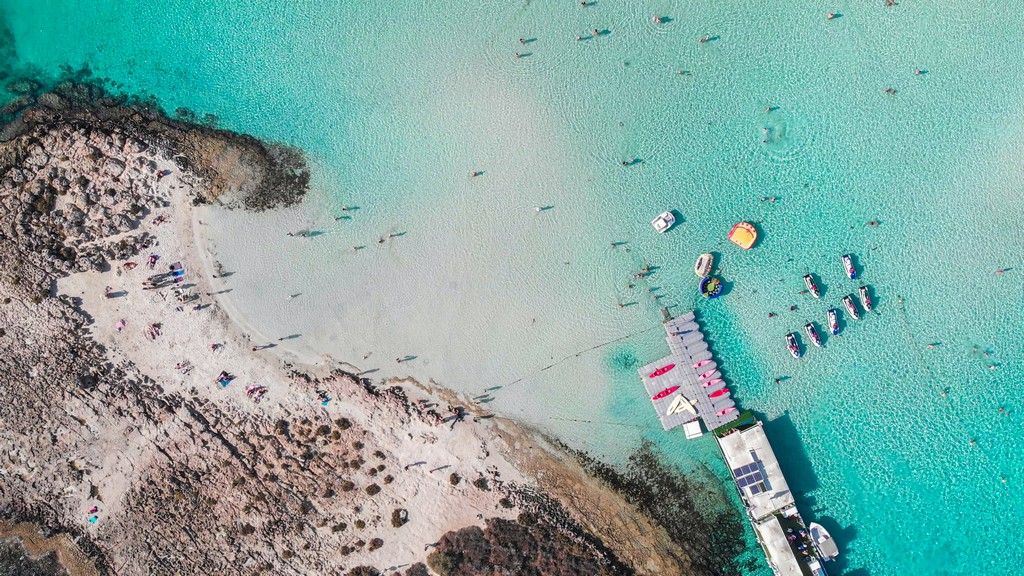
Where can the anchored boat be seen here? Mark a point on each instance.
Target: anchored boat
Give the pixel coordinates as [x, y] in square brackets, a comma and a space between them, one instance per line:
[865, 298]
[848, 265]
[833, 321]
[851, 307]
[811, 286]
[663, 222]
[791, 343]
[703, 266]
[823, 542]
[812, 333]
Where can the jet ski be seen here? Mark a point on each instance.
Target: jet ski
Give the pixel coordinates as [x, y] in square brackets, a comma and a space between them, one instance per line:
[791, 343]
[833, 321]
[851, 307]
[865, 298]
[812, 333]
[811, 286]
[848, 265]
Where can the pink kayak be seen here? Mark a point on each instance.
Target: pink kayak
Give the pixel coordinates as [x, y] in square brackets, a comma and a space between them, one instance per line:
[664, 393]
[719, 393]
[726, 411]
[712, 382]
[702, 363]
[661, 370]
[706, 374]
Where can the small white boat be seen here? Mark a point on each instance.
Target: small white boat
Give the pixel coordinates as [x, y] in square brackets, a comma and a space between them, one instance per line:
[704, 265]
[823, 542]
[663, 222]
[865, 298]
[851, 307]
[811, 286]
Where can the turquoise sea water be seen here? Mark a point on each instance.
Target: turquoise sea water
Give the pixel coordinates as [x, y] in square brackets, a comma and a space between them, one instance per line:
[396, 103]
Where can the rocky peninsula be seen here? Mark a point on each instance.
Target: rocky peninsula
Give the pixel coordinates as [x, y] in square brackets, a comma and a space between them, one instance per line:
[144, 432]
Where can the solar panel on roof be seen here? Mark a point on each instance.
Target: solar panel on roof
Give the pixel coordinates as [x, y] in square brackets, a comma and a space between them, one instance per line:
[755, 489]
[737, 472]
[742, 482]
[757, 476]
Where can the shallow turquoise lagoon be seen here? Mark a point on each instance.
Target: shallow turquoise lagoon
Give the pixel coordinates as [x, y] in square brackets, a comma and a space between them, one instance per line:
[397, 103]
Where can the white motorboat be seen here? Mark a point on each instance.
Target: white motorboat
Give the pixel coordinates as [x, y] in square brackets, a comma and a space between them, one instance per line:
[823, 542]
[663, 222]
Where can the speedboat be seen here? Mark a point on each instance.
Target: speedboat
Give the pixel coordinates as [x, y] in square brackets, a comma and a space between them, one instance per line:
[822, 541]
[812, 333]
[865, 298]
[703, 266]
[663, 222]
[851, 307]
[833, 321]
[661, 370]
[791, 343]
[702, 363]
[848, 265]
[811, 286]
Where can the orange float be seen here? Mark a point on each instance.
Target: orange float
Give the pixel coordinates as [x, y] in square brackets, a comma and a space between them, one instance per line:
[743, 235]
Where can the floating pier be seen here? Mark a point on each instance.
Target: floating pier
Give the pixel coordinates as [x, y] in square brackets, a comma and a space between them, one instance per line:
[686, 384]
[686, 389]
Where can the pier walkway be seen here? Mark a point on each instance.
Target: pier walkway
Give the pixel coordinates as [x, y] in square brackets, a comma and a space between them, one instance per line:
[686, 387]
[686, 384]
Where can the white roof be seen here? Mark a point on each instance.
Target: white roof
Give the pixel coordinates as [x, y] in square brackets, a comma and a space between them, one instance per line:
[751, 447]
[692, 430]
[777, 549]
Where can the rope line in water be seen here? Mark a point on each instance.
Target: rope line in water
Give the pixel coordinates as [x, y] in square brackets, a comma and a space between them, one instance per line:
[580, 353]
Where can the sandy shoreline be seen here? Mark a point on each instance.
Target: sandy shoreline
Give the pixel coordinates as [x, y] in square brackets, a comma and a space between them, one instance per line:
[249, 473]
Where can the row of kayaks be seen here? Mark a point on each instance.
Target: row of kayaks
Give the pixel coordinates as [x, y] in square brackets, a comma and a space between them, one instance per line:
[710, 379]
[833, 322]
